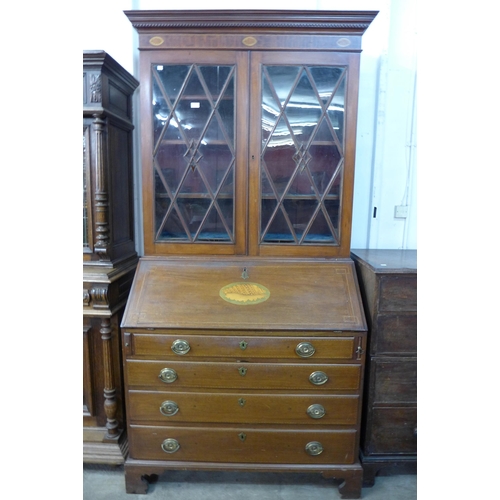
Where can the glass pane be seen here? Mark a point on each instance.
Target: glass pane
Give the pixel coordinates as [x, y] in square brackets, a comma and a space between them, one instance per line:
[193, 155]
[303, 110]
[213, 228]
[279, 230]
[336, 112]
[215, 77]
[171, 78]
[326, 78]
[302, 137]
[320, 231]
[270, 111]
[282, 79]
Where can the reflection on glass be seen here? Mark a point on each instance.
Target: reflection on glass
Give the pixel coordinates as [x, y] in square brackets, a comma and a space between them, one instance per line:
[302, 153]
[193, 124]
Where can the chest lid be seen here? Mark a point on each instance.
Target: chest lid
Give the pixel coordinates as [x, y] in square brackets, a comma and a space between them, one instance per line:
[242, 293]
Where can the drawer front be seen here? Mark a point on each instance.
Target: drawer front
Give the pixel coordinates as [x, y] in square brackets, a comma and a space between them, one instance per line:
[181, 375]
[395, 333]
[394, 380]
[242, 445]
[206, 346]
[398, 293]
[392, 430]
[195, 407]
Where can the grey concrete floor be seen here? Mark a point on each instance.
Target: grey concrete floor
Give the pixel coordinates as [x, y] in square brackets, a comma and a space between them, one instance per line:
[108, 483]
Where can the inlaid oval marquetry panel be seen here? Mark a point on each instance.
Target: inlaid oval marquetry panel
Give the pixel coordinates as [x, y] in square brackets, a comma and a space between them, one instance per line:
[343, 42]
[156, 41]
[249, 41]
[244, 293]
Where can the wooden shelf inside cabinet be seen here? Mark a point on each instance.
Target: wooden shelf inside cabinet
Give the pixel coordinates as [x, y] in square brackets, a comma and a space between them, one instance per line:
[246, 297]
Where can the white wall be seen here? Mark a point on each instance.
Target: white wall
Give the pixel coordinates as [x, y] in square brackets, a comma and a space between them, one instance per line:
[386, 143]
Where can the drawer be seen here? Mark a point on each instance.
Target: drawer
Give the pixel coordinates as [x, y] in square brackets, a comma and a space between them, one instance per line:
[218, 346]
[196, 407]
[398, 293]
[395, 333]
[177, 375]
[394, 380]
[392, 430]
[243, 444]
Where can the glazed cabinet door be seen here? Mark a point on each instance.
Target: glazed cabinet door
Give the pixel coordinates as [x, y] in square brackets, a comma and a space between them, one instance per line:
[302, 142]
[194, 151]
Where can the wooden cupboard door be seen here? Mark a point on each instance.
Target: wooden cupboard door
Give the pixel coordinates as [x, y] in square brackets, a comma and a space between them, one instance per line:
[302, 135]
[193, 153]
[244, 444]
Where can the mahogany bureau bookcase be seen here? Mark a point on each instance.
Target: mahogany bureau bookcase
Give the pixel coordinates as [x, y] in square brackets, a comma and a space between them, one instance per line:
[388, 281]
[109, 256]
[244, 334]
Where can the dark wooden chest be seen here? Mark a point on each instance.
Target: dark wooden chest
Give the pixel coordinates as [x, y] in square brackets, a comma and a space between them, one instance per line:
[388, 281]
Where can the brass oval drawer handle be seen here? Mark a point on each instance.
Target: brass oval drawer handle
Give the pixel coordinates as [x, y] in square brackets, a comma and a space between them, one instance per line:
[318, 378]
[168, 375]
[305, 350]
[169, 408]
[180, 347]
[314, 448]
[170, 445]
[316, 411]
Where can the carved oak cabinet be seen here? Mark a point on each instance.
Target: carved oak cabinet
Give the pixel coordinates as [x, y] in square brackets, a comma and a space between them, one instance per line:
[109, 256]
[244, 334]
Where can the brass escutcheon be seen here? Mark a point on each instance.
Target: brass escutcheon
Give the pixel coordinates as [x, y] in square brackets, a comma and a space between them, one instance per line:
[180, 347]
[243, 371]
[316, 411]
[168, 375]
[305, 350]
[241, 402]
[318, 378]
[169, 408]
[170, 445]
[314, 448]
[243, 345]
[242, 436]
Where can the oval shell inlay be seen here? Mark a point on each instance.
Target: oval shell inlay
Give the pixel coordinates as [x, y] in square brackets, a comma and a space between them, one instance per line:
[343, 42]
[244, 293]
[249, 41]
[156, 40]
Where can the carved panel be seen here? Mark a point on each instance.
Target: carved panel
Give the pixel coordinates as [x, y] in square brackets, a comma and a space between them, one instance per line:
[95, 88]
